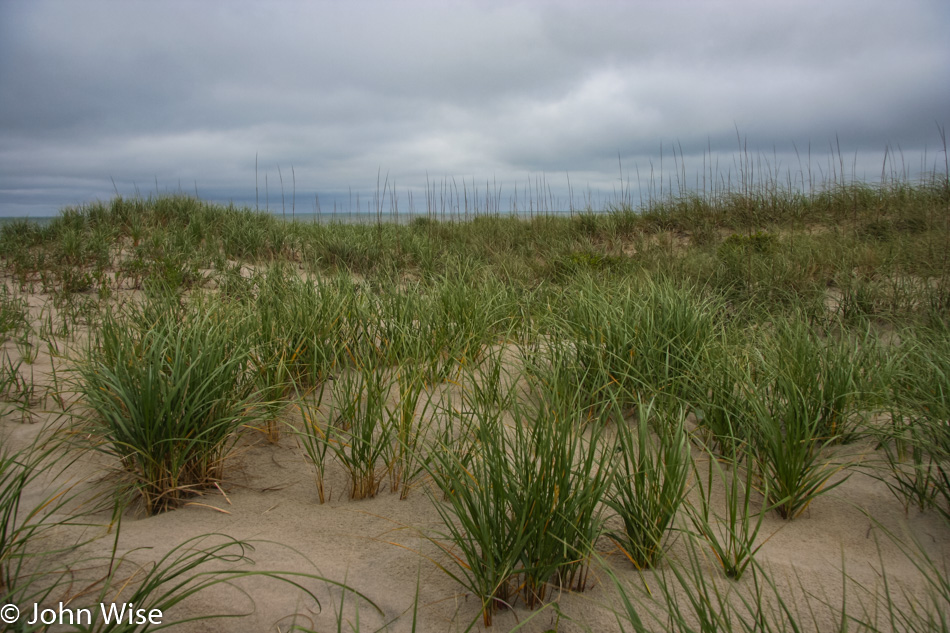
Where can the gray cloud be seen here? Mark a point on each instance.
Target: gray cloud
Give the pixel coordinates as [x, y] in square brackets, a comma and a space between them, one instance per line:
[190, 93]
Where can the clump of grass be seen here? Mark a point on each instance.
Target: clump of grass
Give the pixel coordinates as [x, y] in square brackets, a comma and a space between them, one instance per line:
[579, 262]
[650, 481]
[723, 416]
[300, 323]
[489, 382]
[917, 442]
[758, 242]
[298, 327]
[796, 404]
[412, 330]
[562, 471]
[472, 312]
[917, 459]
[860, 299]
[358, 434]
[168, 388]
[641, 340]
[13, 314]
[521, 520]
[313, 438]
[410, 420]
[16, 390]
[454, 429]
[483, 538]
[731, 537]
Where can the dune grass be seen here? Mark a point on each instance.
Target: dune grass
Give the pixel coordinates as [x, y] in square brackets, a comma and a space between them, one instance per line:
[169, 388]
[548, 380]
[521, 514]
[651, 475]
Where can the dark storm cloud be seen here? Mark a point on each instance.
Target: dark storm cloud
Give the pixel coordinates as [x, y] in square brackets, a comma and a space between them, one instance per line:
[193, 92]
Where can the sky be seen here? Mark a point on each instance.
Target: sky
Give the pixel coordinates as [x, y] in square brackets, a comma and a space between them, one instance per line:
[571, 102]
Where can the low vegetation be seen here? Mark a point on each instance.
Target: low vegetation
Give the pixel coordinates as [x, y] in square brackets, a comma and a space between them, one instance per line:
[560, 386]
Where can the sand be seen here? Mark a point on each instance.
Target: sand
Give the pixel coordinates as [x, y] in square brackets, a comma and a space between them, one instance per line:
[382, 548]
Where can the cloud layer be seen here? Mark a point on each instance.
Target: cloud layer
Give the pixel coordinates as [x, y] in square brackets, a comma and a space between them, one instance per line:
[162, 94]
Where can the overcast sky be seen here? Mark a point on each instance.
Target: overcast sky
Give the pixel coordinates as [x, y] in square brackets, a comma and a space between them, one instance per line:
[190, 94]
